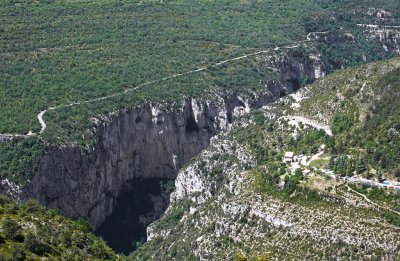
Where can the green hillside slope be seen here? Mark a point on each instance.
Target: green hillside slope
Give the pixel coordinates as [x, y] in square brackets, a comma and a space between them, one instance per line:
[31, 232]
[362, 107]
[247, 204]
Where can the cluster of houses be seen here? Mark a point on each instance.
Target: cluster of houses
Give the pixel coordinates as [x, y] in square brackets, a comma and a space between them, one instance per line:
[294, 161]
[291, 158]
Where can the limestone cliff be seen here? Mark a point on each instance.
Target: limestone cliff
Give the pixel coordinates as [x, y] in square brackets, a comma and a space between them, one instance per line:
[389, 36]
[150, 141]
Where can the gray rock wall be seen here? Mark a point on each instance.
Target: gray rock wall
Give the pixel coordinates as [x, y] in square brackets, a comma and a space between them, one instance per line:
[389, 36]
[149, 141]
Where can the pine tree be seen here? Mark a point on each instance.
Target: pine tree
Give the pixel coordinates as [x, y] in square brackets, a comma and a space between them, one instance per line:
[332, 163]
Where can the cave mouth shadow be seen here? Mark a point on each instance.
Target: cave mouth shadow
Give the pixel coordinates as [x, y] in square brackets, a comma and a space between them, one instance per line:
[140, 202]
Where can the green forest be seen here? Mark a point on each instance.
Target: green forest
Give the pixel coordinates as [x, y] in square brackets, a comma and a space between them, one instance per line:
[57, 52]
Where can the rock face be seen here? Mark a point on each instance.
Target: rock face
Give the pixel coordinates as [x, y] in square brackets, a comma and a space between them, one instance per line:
[390, 39]
[389, 36]
[293, 71]
[149, 142]
[330, 37]
[9, 188]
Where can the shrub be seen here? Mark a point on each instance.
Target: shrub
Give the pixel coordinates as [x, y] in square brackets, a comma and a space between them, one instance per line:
[83, 225]
[18, 253]
[298, 173]
[167, 186]
[32, 206]
[392, 218]
[11, 229]
[341, 123]
[35, 246]
[239, 257]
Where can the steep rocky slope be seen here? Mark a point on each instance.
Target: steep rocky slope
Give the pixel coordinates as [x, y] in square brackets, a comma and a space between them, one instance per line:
[236, 198]
[147, 142]
[153, 139]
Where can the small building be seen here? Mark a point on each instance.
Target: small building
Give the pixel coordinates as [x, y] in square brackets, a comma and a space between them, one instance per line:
[288, 157]
[366, 182]
[306, 172]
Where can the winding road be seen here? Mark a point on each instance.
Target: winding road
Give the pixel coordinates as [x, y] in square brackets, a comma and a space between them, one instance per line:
[41, 114]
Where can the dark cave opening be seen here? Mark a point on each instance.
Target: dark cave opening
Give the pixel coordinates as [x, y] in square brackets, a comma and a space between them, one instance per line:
[191, 125]
[295, 83]
[140, 202]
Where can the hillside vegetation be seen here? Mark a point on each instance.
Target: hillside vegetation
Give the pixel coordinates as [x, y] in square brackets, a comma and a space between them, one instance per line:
[362, 107]
[64, 52]
[82, 61]
[249, 205]
[31, 232]
[57, 53]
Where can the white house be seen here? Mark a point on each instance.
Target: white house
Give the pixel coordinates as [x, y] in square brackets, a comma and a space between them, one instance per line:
[288, 157]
